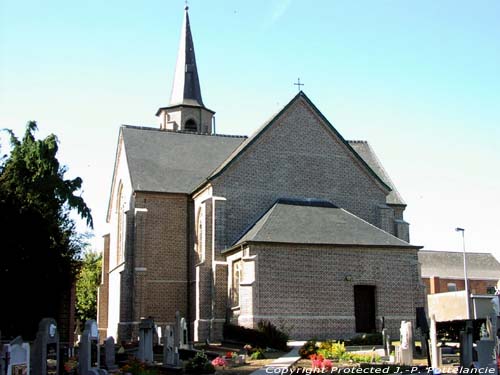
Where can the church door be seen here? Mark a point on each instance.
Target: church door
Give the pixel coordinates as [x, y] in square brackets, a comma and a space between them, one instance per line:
[364, 308]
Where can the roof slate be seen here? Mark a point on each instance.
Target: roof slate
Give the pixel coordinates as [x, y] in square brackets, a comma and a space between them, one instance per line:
[448, 264]
[319, 224]
[364, 150]
[173, 162]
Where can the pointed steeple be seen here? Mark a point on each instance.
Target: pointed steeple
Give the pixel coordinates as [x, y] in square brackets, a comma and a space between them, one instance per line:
[186, 87]
[186, 111]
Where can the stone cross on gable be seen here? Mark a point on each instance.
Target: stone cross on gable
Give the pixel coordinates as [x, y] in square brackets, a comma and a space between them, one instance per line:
[298, 84]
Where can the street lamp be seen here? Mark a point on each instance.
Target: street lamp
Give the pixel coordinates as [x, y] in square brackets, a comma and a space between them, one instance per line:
[465, 272]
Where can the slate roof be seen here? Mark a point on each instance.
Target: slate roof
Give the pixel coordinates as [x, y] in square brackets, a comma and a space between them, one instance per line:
[173, 162]
[448, 264]
[364, 150]
[316, 222]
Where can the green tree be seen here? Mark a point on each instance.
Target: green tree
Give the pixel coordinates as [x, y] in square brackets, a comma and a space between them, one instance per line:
[87, 282]
[40, 244]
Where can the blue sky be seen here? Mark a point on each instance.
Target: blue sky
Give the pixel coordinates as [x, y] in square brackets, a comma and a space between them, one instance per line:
[418, 79]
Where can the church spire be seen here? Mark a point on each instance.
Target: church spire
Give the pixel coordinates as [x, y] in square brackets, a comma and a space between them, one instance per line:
[186, 87]
[186, 111]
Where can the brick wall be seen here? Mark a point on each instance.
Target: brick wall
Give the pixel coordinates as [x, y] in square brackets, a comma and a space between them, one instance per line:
[155, 280]
[297, 156]
[440, 285]
[102, 294]
[304, 288]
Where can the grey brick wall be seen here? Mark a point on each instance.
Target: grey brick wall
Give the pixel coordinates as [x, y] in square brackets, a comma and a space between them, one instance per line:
[304, 288]
[296, 157]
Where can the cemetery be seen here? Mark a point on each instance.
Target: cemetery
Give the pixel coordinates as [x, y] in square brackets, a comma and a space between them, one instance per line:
[163, 350]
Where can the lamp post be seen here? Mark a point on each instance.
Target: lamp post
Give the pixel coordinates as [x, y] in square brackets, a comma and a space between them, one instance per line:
[465, 272]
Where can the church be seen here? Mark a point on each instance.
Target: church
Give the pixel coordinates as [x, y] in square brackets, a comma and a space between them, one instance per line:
[294, 225]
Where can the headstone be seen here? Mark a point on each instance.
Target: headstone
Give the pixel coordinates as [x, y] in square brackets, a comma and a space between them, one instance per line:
[184, 334]
[170, 352]
[146, 340]
[486, 347]
[466, 345]
[16, 358]
[45, 354]
[89, 360]
[385, 342]
[177, 330]
[405, 356]
[109, 354]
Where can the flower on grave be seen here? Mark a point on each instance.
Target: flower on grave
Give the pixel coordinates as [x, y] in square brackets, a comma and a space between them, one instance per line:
[70, 364]
[229, 355]
[318, 362]
[219, 361]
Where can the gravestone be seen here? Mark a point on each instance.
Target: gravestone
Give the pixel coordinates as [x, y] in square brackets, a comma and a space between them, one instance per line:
[146, 340]
[16, 358]
[385, 342]
[486, 346]
[89, 359]
[177, 329]
[183, 334]
[109, 354]
[170, 352]
[405, 349]
[45, 354]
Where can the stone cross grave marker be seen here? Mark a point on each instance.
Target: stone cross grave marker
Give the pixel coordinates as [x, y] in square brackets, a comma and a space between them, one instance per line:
[16, 358]
[45, 354]
[89, 360]
[146, 340]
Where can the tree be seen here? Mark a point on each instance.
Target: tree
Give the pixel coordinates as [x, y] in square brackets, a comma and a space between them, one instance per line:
[40, 244]
[87, 282]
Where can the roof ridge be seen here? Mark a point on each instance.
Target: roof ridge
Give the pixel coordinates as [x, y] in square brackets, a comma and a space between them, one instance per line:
[181, 132]
[311, 202]
[457, 252]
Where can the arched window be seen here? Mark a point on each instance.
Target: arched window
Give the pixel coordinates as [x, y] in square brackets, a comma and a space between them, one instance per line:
[119, 225]
[235, 282]
[200, 234]
[190, 125]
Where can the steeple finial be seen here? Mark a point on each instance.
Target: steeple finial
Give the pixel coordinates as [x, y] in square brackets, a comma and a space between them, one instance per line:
[186, 87]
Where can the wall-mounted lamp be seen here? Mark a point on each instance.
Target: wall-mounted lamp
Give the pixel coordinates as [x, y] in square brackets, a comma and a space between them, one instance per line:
[348, 278]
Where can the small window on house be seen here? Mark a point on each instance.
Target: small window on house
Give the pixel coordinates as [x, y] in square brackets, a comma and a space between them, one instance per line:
[452, 287]
[190, 125]
[235, 285]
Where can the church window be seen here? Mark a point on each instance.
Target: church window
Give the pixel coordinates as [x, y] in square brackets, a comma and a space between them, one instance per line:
[119, 225]
[190, 125]
[200, 234]
[235, 285]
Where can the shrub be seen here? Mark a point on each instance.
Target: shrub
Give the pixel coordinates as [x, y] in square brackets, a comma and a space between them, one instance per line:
[333, 349]
[200, 364]
[246, 335]
[257, 354]
[275, 338]
[266, 335]
[308, 349]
